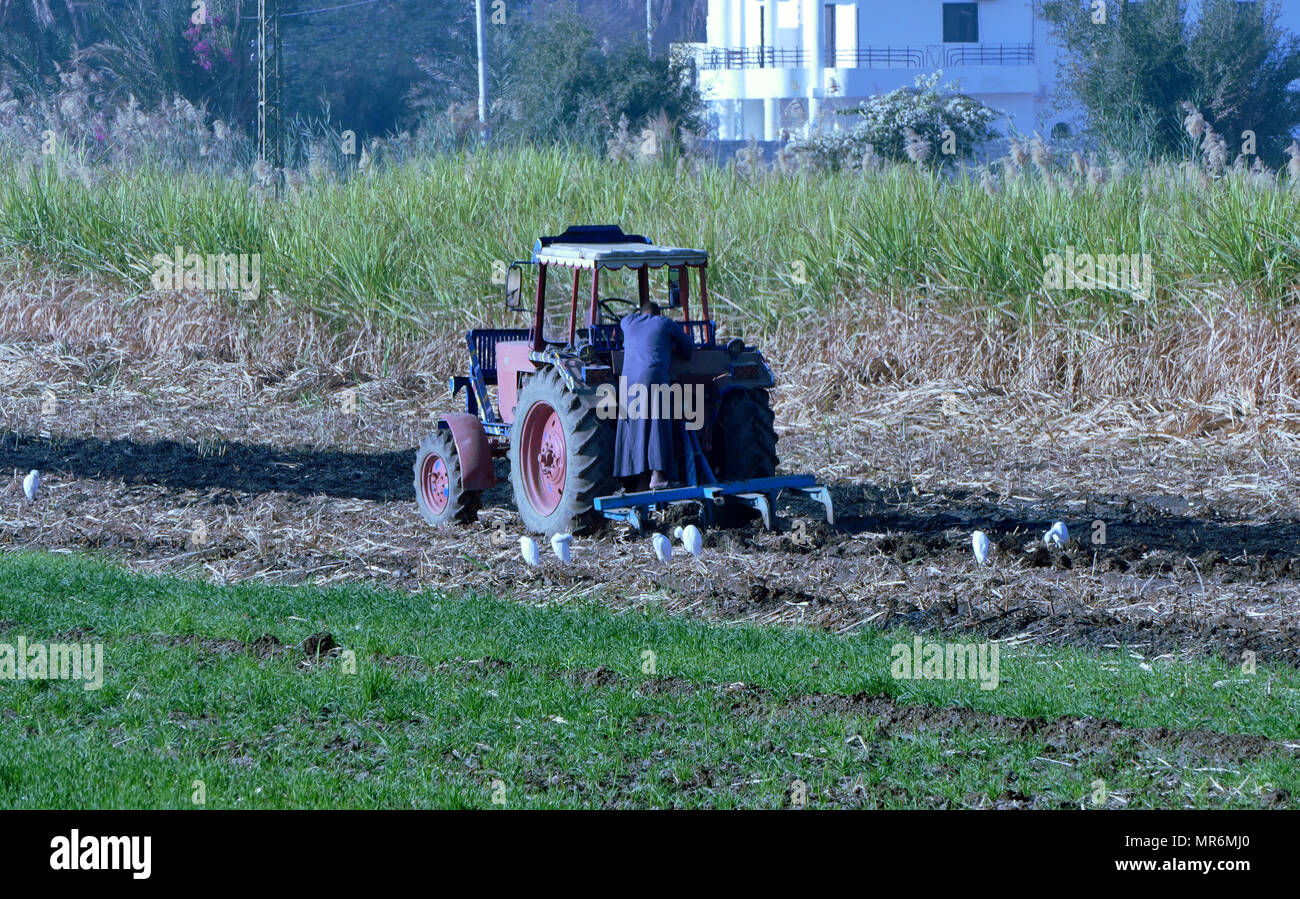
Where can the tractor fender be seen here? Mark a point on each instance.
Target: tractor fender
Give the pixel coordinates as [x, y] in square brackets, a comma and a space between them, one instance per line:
[724, 385]
[472, 448]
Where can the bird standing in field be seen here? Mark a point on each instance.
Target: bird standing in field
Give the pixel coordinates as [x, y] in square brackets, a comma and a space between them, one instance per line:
[1057, 535]
[31, 484]
[692, 539]
[663, 548]
[561, 546]
[528, 548]
[979, 542]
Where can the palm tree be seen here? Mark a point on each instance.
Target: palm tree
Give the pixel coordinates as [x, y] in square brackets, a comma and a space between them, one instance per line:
[39, 12]
[35, 35]
[42, 15]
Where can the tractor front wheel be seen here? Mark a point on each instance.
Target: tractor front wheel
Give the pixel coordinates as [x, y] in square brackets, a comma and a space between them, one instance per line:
[439, 486]
[561, 456]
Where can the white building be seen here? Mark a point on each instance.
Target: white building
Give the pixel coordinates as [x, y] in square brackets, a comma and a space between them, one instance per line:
[761, 55]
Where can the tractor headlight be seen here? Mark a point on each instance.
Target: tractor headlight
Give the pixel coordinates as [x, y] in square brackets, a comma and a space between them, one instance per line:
[735, 346]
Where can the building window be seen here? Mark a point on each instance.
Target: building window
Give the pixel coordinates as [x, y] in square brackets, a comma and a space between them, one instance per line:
[961, 23]
[832, 45]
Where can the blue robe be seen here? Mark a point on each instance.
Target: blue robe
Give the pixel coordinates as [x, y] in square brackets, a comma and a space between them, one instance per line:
[645, 442]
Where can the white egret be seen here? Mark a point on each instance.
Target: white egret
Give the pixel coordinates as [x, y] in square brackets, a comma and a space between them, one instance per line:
[31, 484]
[528, 547]
[662, 546]
[979, 542]
[560, 545]
[692, 539]
[1057, 535]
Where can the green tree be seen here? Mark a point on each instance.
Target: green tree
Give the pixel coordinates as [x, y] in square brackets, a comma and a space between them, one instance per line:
[153, 50]
[559, 82]
[1244, 61]
[36, 35]
[1130, 72]
[371, 69]
[361, 62]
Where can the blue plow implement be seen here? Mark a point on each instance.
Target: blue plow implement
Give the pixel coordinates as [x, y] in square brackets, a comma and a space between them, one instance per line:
[757, 493]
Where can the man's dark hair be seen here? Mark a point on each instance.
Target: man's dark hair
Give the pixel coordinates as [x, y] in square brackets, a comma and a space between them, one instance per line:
[650, 307]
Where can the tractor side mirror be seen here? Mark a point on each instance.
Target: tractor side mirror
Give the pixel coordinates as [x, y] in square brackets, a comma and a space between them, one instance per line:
[514, 289]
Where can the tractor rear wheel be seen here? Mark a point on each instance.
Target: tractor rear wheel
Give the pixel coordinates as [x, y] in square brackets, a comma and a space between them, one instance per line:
[439, 483]
[561, 456]
[744, 447]
[744, 438]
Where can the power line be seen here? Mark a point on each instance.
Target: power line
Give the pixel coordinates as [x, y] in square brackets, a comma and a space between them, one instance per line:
[308, 12]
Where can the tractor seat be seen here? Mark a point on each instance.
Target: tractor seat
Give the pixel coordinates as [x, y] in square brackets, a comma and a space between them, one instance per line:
[609, 337]
[483, 349]
[703, 333]
[605, 338]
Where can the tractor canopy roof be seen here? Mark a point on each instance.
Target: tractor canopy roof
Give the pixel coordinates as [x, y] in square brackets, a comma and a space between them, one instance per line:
[606, 246]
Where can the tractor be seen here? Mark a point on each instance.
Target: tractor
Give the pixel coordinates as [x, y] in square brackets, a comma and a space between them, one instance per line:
[548, 418]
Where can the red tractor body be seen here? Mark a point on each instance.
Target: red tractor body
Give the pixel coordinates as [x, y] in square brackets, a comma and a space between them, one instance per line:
[549, 417]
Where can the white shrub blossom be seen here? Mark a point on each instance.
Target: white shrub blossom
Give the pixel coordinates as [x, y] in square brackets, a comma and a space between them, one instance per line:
[927, 109]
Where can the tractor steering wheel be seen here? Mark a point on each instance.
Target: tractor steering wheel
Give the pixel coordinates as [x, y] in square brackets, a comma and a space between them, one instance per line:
[610, 315]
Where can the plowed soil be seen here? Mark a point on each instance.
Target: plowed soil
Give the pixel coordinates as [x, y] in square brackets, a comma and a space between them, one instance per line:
[296, 467]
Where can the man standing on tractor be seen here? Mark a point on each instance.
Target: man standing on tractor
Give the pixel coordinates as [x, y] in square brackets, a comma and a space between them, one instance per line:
[643, 443]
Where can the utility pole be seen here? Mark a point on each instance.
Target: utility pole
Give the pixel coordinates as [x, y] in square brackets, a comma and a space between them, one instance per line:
[649, 28]
[261, 80]
[480, 27]
[277, 93]
[269, 95]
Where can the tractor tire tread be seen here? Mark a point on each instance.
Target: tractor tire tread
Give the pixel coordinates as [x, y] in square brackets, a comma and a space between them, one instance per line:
[590, 461]
[463, 505]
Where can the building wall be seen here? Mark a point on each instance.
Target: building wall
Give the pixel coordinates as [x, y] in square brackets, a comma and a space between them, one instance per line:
[1024, 92]
[921, 21]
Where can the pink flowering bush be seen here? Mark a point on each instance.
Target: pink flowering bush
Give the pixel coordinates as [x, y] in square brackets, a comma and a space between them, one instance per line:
[210, 43]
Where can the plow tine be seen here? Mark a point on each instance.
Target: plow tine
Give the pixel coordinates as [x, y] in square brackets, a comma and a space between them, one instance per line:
[822, 495]
[760, 501]
[758, 494]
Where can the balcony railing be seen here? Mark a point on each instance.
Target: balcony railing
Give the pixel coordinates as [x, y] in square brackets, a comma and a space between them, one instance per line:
[877, 58]
[989, 55]
[748, 58]
[711, 58]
